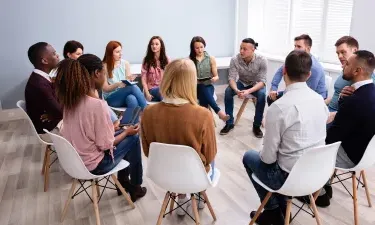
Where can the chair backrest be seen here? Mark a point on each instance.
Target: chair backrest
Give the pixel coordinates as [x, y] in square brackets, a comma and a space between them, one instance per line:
[22, 105]
[368, 158]
[312, 170]
[69, 159]
[176, 168]
[328, 81]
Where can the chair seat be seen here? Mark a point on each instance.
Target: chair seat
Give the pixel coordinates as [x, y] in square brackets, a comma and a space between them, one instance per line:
[250, 96]
[354, 169]
[122, 165]
[256, 179]
[151, 103]
[119, 109]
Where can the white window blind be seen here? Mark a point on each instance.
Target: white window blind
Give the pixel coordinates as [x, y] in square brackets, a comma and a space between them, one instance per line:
[338, 23]
[275, 23]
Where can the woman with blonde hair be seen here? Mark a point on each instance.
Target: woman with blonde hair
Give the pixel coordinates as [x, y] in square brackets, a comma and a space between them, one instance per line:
[184, 122]
[115, 92]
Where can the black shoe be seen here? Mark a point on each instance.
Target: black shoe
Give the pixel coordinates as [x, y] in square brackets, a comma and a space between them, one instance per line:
[257, 132]
[226, 129]
[269, 217]
[323, 201]
[328, 189]
[137, 192]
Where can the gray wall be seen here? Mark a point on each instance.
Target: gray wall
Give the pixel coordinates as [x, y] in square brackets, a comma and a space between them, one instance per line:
[362, 24]
[94, 23]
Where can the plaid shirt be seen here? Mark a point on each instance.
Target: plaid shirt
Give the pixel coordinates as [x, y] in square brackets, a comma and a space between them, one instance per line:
[248, 74]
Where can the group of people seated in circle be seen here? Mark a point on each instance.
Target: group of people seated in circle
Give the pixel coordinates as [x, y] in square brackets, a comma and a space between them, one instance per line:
[72, 98]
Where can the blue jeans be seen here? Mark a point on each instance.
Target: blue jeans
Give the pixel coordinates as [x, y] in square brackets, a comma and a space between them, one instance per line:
[259, 107]
[129, 96]
[206, 96]
[270, 101]
[155, 92]
[270, 174]
[130, 150]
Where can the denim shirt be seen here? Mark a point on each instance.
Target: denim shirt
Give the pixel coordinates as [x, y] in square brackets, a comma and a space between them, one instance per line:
[316, 81]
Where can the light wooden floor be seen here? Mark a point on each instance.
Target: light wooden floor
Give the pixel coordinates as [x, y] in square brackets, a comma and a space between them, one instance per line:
[22, 200]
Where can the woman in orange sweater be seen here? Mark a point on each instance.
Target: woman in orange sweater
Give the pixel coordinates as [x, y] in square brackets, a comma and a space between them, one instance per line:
[184, 122]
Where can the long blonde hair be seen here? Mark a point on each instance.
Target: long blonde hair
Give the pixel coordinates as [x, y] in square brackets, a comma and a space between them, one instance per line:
[180, 81]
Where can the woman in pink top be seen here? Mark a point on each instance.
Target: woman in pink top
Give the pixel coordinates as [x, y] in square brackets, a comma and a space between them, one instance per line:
[88, 127]
[153, 67]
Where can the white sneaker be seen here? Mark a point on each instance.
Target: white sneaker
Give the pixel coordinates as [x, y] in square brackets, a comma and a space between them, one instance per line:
[200, 202]
[180, 210]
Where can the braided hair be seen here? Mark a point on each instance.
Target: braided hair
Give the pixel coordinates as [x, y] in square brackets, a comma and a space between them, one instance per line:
[73, 80]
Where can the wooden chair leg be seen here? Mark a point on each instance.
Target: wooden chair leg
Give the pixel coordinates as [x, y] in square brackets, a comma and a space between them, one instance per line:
[242, 108]
[209, 205]
[288, 210]
[355, 203]
[46, 170]
[366, 188]
[69, 199]
[171, 206]
[95, 201]
[163, 208]
[313, 206]
[128, 199]
[45, 158]
[97, 187]
[268, 196]
[195, 209]
[333, 176]
[316, 195]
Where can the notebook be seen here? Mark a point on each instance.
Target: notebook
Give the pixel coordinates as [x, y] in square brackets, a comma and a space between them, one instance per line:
[129, 83]
[130, 116]
[204, 79]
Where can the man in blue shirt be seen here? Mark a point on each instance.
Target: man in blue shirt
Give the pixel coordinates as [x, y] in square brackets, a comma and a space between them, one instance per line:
[345, 47]
[317, 79]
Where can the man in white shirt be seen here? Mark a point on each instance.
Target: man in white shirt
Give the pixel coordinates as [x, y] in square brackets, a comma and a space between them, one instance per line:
[294, 123]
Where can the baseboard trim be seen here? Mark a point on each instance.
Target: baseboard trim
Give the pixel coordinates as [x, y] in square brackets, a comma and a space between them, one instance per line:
[11, 114]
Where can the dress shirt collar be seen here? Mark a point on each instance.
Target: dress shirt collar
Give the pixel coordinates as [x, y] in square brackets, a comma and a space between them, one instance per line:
[43, 74]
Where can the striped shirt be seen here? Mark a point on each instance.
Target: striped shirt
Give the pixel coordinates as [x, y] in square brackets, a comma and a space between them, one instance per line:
[248, 74]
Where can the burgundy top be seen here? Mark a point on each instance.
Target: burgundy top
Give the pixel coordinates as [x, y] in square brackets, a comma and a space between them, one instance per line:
[41, 99]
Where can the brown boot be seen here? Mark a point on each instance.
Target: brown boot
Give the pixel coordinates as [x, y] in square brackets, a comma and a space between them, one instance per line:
[136, 192]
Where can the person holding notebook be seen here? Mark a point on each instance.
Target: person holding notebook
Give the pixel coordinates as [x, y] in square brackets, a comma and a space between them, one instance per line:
[115, 91]
[206, 75]
[87, 125]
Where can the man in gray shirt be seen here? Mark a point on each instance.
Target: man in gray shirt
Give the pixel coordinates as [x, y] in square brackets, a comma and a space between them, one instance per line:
[294, 123]
[251, 70]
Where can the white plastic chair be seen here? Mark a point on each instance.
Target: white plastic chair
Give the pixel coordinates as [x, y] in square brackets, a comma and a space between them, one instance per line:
[118, 109]
[328, 81]
[73, 165]
[181, 172]
[309, 174]
[367, 161]
[47, 155]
